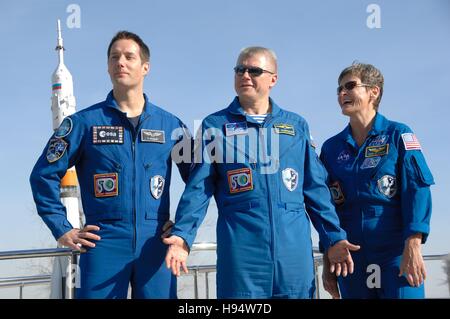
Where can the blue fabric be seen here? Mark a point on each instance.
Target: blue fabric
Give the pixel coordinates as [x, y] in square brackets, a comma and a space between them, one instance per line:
[132, 218]
[376, 215]
[263, 231]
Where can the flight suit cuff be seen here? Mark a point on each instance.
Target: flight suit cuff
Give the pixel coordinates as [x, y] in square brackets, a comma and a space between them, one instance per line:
[415, 228]
[332, 239]
[189, 240]
[60, 229]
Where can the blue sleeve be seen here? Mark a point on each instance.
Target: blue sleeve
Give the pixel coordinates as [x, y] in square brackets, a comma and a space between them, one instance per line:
[416, 179]
[183, 152]
[318, 202]
[194, 202]
[46, 177]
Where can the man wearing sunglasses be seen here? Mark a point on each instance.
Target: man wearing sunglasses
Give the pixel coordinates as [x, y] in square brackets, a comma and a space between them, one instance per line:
[268, 183]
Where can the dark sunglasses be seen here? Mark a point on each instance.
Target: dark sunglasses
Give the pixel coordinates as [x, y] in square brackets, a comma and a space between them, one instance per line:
[350, 85]
[252, 70]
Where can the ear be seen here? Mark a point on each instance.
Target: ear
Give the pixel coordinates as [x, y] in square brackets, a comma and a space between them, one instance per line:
[145, 68]
[374, 93]
[273, 80]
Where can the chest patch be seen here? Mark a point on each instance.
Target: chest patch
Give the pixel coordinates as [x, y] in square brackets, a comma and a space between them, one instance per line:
[372, 151]
[240, 180]
[107, 134]
[290, 178]
[157, 186]
[387, 185]
[237, 128]
[370, 162]
[343, 157]
[152, 136]
[106, 185]
[283, 128]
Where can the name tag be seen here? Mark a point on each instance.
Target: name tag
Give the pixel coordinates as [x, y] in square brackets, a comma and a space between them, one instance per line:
[372, 151]
[287, 129]
[107, 134]
[152, 136]
[236, 128]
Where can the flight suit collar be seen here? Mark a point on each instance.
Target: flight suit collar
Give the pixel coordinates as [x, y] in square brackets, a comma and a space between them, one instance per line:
[111, 102]
[379, 125]
[236, 108]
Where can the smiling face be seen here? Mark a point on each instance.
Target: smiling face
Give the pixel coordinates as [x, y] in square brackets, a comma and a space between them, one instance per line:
[255, 88]
[125, 66]
[360, 99]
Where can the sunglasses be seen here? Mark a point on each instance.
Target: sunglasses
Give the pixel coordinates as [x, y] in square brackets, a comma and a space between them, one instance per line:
[350, 85]
[252, 70]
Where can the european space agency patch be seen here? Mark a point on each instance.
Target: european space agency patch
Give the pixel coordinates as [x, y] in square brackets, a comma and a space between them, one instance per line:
[152, 136]
[64, 128]
[157, 186]
[290, 178]
[56, 149]
[240, 180]
[106, 185]
[107, 134]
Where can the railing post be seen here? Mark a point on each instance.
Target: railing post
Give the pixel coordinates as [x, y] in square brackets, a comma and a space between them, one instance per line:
[71, 279]
[196, 283]
[316, 276]
[21, 291]
[206, 285]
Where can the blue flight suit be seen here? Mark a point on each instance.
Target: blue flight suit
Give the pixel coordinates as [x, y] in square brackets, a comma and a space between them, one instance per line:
[268, 183]
[382, 196]
[124, 175]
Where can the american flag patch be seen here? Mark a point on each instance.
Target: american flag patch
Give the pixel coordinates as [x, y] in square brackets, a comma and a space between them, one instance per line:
[411, 142]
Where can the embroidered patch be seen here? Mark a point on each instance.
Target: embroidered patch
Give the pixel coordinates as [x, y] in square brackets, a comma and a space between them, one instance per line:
[157, 186]
[336, 193]
[370, 162]
[290, 178]
[379, 140]
[236, 128]
[387, 185]
[240, 180]
[107, 134]
[152, 136]
[56, 149]
[343, 157]
[64, 128]
[411, 142]
[372, 151]
[282, 128]
[106, 185]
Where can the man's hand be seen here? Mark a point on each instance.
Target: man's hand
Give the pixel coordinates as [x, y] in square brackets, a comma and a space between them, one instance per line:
[177, 254]
[76, 236]
[340, 259]
[329, 279]
[412, 265]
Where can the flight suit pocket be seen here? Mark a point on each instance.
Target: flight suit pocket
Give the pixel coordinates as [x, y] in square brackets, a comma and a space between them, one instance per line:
[422, 171]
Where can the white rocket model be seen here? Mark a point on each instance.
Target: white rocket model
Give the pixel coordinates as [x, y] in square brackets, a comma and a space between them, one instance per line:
[63, 104]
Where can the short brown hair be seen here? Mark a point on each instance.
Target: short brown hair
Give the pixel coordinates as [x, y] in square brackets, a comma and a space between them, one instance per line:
[126, 35]
[368, 74]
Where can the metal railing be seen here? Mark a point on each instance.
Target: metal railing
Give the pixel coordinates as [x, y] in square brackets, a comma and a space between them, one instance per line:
[194, 270]
[23, 281]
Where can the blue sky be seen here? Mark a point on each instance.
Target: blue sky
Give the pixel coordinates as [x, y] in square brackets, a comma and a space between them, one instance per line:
[194, 45]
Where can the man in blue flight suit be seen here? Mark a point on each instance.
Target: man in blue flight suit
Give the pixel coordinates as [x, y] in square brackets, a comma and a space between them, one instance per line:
[121, 149]
[267, 180]
[380, 183]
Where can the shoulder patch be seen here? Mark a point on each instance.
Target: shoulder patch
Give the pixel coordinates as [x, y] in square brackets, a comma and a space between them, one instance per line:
[411, 142]
[56, 149]
[64, 128]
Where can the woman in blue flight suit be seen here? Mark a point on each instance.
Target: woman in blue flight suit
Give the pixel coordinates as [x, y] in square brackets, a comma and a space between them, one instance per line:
[380, 183]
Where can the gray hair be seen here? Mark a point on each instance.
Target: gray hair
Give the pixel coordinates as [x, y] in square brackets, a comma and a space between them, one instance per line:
[368, 74]
[251, 51]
